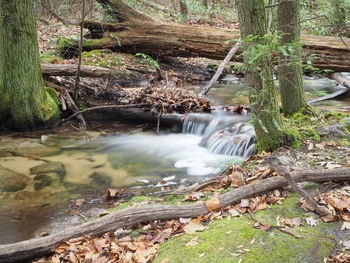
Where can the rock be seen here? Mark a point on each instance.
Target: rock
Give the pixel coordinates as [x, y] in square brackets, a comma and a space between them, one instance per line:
[37, 149]
[49, 167]
[100, 179]
[43, 180]
[11, 181]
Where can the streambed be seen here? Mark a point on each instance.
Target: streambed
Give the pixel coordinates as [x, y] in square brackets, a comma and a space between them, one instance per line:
[125, 156]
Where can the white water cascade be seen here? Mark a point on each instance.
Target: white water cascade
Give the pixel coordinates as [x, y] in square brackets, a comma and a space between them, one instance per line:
[224, 134]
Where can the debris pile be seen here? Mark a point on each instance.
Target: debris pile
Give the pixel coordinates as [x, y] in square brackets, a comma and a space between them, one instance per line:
[165, 99]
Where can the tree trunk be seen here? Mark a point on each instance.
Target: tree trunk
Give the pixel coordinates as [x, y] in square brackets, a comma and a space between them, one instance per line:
[290, 66]
[24, 103]
[268, 124]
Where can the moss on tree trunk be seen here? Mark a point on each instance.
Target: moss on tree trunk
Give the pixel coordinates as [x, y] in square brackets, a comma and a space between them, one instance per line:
[24, 102]
[269, 127]
[290, 66]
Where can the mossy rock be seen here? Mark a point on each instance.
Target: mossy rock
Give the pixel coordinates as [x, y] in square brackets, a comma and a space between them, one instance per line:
[11, 181]
[226, 239]
[49, 167]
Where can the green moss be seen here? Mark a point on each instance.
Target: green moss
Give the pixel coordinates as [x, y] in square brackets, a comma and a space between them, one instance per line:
[225, 239]
[50, 109]
[294, 138]
[50, 57]
[64, 42]
[67, 47]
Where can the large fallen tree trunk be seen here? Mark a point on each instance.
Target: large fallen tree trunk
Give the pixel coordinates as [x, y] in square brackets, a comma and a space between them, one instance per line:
[131, 216]
[140, 33]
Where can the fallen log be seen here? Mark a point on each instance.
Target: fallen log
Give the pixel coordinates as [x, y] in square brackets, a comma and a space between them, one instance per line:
[71, 70]
[341, 79]
[127, 217]
[135, 32]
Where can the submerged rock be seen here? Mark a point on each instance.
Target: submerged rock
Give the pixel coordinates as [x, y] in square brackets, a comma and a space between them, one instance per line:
[100, 179]
[37, 149]
[11, 181]
[49, 167]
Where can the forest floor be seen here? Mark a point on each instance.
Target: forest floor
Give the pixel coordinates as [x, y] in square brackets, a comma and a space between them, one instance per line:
[274, 227]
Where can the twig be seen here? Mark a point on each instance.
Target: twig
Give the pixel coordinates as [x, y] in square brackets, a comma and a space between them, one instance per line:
[88, 137]
[279, 228]
[284, 171]
[220, 69]
[59, 18]
[75, 109]
[77, 78]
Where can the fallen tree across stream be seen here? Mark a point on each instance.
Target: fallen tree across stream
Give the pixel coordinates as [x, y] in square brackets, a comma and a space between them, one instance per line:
[135, 32]
[130, 216]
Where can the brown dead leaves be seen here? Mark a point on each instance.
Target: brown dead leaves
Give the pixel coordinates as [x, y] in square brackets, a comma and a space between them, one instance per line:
[337, 201]
[256, 203]
[120, 246]
[169, 100]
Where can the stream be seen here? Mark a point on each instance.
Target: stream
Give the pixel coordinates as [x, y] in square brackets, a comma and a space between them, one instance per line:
[125, 155]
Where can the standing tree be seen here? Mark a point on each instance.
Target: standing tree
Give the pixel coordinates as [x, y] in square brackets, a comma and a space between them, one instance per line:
[290, 66]
[269, 127]
[24, 102]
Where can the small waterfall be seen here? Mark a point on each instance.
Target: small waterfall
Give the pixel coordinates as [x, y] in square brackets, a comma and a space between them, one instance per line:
[223, 133]
[238, 140]
[205, 124]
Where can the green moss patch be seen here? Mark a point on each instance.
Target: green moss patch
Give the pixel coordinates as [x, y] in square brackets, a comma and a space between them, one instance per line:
[236, 240]
[50, 57]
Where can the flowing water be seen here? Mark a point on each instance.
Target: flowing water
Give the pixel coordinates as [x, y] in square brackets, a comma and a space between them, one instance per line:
[127, 156]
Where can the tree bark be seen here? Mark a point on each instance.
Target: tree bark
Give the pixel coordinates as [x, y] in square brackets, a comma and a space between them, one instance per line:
[131, 216]
[24, 103]
[290, 67]
[269, 127]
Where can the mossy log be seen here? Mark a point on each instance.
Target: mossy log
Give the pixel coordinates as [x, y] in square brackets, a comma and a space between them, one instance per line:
[127, 217]
[177, 40]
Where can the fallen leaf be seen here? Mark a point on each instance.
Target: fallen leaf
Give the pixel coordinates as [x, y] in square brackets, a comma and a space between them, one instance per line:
[192, 242]
[193, 227]
[346, 244]
[185, 220]
[244, 203]
[112, 193]
[311, 221]
[237, 179]
[194, 196]
[162, 236]
[234, 212]
[78, 203]
[345, 226]
[292, 221]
